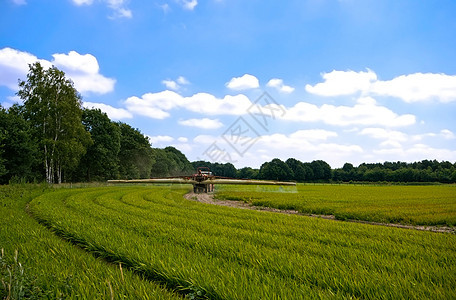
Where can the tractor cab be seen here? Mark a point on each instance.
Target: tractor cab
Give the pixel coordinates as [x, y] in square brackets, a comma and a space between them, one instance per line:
[203, 174]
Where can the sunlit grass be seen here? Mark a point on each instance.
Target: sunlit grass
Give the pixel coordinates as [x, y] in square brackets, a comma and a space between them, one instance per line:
[418, 205]
[36, 264]
[227, 253]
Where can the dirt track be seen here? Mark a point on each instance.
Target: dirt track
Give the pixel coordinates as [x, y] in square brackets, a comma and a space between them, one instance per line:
[208, 198]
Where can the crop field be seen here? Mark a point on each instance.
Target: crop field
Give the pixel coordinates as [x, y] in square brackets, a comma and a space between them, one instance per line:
[417, 205]
[208, 251]
[36, 264]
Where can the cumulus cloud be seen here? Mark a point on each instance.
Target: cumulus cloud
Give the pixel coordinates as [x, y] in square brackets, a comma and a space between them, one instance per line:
[112, 112]
[157, 105]
[204, 123]
[418, 87]
[396, 138]
[384, 134]
[82, 69]
[14, 66]
[366, 112]
[415, 152]
[278, 84]
[409, 88]
[339, 83]
[244, 82]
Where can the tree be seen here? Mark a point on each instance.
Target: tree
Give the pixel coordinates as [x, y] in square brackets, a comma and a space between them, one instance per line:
[276, 170]
[170, 162]
[20, 151]
[53, 107]
[101, 160]
[299, 169]
[135, 155]
[247, 173]
[321, 170]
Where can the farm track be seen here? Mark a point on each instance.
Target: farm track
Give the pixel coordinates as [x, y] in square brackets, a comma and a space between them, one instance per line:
[208, 198]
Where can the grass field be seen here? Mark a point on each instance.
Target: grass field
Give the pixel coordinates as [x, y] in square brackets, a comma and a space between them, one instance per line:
[417, 205]
[227, 253]
[36, 264]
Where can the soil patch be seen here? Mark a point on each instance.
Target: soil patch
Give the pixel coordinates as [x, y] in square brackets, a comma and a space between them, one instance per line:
[208, 198]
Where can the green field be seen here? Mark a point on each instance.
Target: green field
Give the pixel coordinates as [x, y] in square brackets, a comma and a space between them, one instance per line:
[221, 252]
[37, 264]
[417, 205]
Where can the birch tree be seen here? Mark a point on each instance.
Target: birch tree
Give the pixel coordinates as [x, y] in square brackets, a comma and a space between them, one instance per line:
[53, 107]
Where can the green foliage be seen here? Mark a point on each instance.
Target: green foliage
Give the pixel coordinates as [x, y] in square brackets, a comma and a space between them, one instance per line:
[247, 173]
[53, 107]
[276, 170]
[20, 151]
[226, 253]
[101, 161]
[423, 171]
[170, 162]
[135, 154]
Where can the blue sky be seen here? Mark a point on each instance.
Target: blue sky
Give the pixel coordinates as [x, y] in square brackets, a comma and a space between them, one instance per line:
[248, 81]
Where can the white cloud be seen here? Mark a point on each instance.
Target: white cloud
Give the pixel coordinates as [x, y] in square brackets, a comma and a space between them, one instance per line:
[160, 139]
[419, 87]
[188, 4]
[447, 134]
[157, 105]
[112, 112]
[338, 83]
[82, 69]
[182, 80]
[175, 84]
[117, 6]
[416, 152]
[14, 66]
[171, 84]
[366, 112]
[83, 2]
[278, 84]
[204, 123]
[182, 139]
[409, 88]
[244, 82]
[384, 134]
[313, 134]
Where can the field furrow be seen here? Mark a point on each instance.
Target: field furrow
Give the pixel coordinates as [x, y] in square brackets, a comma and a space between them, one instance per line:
[227, 253]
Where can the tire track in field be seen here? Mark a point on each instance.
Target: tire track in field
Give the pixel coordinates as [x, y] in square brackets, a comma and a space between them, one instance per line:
[208, 198]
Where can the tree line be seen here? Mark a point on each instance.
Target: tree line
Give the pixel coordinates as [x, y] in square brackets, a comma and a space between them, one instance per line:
[52, 138]
[320, 171]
